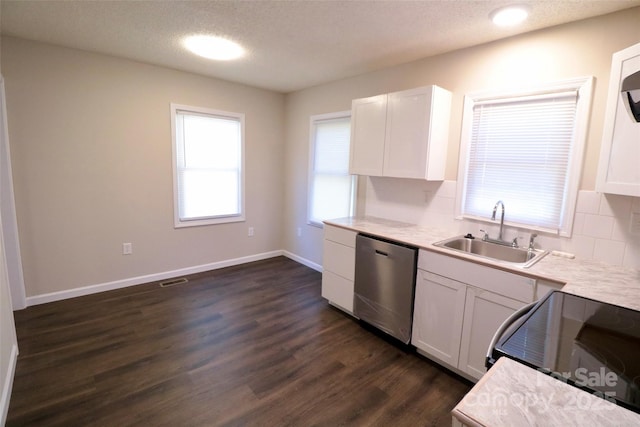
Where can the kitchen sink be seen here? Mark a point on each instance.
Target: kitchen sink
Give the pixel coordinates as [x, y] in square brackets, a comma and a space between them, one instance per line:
[516, 256]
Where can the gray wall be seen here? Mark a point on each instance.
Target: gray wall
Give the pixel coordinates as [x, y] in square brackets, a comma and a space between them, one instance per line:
[91, 147]
[91, 151]
[573, 50]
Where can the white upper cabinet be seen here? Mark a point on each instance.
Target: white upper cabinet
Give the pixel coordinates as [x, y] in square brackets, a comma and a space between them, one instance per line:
[417, 133]
[401, 134]
[619, 171]
[368, 127]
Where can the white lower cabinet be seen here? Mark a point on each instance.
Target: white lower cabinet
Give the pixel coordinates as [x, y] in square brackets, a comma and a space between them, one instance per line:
[337, 290]
[458, 304]
[338, 270]
[454, 321]
[543, 287]
[484, 312]
[437, 322]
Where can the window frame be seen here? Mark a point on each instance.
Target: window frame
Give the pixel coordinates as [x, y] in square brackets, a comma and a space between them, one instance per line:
[219, 219]
[313, 120]
[584, 87]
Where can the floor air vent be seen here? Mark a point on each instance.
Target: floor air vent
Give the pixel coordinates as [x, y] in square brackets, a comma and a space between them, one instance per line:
[173, 282]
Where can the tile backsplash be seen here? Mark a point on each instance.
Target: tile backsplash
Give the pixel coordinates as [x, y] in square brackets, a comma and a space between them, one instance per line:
[602, 225]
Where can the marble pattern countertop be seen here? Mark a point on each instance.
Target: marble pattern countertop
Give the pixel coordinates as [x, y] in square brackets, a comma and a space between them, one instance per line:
[591, 279]
[511, 394]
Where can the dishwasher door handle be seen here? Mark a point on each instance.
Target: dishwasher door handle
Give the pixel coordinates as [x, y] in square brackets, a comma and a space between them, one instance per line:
[385, 254]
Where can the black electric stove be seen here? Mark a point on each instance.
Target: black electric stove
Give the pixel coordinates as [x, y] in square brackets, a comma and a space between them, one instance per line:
[588, 344]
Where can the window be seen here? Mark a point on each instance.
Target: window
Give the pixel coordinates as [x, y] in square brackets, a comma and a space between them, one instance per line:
[525, 149]
[208, 162]
[331, 188]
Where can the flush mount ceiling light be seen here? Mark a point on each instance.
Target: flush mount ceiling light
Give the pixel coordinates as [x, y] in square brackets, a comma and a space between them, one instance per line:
[509, 16]
[213, 47]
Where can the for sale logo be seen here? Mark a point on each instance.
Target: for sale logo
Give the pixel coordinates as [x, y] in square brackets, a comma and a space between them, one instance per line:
[596, 379]
[583, 377]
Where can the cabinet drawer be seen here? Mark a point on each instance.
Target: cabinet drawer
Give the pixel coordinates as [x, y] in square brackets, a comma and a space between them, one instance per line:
[338, 290]
[339, 259]
[340, 235]
[508, 284]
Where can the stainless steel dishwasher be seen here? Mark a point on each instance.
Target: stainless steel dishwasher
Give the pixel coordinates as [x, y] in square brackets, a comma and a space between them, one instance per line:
[385, 279]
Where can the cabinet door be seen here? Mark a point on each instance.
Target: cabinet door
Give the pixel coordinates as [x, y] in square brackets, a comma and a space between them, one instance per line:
[483, 314]
[618, 171]
[405, 150]
[437, 316]
[368, 126]
[417, 133]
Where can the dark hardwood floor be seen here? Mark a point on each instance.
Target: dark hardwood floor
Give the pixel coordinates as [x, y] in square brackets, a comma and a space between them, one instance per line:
[246, 345]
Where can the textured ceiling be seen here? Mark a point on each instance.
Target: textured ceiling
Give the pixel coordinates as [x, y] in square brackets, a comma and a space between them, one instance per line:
[291, 44]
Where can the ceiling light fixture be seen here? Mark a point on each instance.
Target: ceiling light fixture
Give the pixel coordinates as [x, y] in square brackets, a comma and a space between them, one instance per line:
[213, 47]
[509, 16]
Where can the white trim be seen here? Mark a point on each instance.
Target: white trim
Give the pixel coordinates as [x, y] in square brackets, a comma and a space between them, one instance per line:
[315, 224]
[8, 384]
[313, 121]
[584, 87]
[302, 261]
[139, 280]
[102, 287]
[11, 240]
[240, 217]
[566, 85]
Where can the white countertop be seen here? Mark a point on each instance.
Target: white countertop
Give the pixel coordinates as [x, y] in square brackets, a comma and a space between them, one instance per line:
[591, 279]
[512, 394]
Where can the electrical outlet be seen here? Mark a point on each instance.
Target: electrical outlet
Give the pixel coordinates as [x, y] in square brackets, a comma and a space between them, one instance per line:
[634, 228]
[299, 232]
[127, 249]
[250, 232]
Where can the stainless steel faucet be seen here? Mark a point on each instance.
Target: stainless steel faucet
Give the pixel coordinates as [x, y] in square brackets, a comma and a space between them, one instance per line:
[493, 217]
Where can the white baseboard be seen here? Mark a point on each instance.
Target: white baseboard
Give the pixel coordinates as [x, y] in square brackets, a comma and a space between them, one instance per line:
[101, 287]
[92, 289]
[8, 384]
[303, 261]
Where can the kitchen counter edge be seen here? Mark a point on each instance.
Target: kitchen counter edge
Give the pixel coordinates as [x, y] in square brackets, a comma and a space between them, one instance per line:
[590, 279]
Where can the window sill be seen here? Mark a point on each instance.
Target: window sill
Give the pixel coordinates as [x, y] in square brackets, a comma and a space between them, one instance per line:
[208, 221]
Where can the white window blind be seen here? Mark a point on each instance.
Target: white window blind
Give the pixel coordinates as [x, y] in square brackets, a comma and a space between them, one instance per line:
[208, 166]
[332, 189]
[520, 151]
